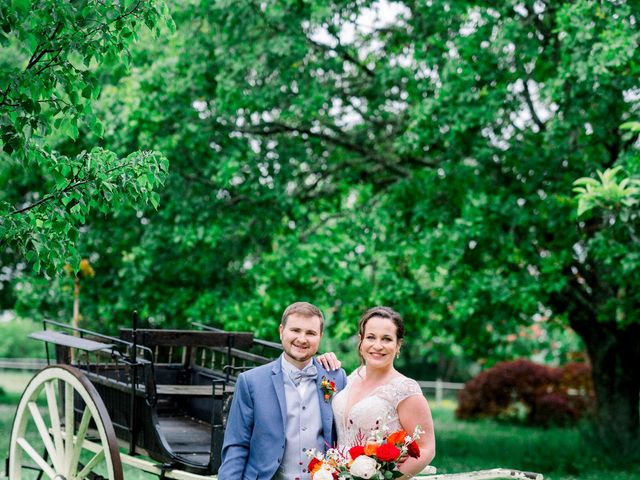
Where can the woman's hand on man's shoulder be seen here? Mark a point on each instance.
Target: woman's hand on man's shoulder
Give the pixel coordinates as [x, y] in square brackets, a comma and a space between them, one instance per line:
[329, 361]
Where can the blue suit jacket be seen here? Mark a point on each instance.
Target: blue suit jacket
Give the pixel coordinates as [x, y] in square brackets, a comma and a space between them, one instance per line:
[255, 434]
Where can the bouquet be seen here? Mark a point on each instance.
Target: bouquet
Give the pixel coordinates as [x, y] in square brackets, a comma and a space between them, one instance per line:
[376, 458]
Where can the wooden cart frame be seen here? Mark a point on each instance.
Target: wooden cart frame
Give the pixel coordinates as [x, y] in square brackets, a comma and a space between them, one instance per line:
[154, 399]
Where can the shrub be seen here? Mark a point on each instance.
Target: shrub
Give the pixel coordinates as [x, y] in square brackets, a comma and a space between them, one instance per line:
[14, 342]
[549, 395]
[553, 409]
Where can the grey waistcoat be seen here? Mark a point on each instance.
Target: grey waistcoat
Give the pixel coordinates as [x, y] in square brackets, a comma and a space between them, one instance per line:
[303, 430]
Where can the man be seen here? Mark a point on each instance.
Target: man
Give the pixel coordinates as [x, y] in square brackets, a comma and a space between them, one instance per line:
[280, 410]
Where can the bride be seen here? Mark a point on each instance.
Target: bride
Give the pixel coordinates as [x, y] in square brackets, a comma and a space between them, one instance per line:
[377, 393]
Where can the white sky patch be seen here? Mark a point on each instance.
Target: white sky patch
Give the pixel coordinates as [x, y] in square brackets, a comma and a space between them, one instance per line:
[351, 200]
[202, 108]
[523, 118]
[236, 180]
[255, 145]
[472, 24]
[588, 128]
[632, 95]
[497, 141]
[382, 14]
[395, 106]
[345, 115]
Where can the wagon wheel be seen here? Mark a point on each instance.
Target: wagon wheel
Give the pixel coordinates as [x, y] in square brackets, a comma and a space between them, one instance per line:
[44, 437]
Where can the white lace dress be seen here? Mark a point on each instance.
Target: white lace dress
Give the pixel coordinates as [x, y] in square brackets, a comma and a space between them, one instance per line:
[371, 412]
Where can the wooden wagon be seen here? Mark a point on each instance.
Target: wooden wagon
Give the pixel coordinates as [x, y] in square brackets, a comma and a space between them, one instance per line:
[154, 399]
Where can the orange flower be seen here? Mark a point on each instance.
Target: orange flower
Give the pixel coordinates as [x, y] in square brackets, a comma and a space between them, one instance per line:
[370, 449]
[397, 438]
[314, 465]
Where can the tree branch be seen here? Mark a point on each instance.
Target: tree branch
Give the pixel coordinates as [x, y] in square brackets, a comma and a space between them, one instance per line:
[70, 186]
[532, 110]
[344, 54]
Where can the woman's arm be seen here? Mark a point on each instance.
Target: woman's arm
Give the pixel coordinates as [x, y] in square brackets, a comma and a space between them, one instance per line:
[414, 411]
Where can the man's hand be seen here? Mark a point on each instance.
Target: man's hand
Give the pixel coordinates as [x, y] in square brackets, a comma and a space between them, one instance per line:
[329, 361]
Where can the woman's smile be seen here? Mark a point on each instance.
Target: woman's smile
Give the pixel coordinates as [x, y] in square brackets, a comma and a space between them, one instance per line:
[380, 342]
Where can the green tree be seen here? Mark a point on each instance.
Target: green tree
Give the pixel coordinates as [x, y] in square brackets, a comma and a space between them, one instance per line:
[417, 154]
[47, 85]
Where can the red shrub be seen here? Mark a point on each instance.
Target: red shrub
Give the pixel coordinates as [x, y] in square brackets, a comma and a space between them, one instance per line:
[553, 409]
[549, 395]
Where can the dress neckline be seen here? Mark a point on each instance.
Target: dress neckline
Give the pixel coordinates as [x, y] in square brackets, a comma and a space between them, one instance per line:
[347, 412]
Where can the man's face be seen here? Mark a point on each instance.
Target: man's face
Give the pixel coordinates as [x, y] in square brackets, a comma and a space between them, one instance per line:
[300, 337]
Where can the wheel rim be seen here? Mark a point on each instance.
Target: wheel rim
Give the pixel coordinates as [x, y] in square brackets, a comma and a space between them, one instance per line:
[41, 441]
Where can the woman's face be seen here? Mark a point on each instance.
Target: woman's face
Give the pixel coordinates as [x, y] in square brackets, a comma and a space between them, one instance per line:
[379, 342]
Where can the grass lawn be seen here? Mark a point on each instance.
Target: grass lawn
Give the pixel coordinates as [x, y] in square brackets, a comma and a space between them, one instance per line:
[559, 454]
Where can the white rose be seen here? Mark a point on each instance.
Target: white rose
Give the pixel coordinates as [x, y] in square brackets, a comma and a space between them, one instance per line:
[323, 474]
[364, 467]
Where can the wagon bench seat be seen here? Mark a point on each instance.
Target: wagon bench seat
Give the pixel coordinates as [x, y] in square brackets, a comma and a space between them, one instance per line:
[190, 390]
[58, 338]
[188, 338]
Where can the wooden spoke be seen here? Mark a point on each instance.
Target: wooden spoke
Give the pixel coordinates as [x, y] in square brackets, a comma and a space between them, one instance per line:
[55, 415]
[77, 448]
[68, 426]
[92, 463]
[41, 462]
[44, 434]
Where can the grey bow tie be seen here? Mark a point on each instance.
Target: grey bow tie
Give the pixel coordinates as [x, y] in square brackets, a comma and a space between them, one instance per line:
[309, 372]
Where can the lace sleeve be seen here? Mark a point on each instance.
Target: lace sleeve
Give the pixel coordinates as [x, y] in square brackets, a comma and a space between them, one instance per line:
[402, 388]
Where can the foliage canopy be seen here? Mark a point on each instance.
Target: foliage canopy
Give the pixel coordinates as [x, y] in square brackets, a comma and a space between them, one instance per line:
[48, 81]
[416, 154]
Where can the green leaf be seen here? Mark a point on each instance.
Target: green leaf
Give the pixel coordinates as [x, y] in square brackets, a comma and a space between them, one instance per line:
[633, 126]
[98, 129]
[22, 6]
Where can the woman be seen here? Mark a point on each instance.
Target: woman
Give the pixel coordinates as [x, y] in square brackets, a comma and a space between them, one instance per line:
[376, 392]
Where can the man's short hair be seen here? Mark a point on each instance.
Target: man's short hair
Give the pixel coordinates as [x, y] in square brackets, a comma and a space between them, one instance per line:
[304, 309]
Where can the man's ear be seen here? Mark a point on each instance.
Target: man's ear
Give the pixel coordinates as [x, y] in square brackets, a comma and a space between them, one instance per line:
[280, 330]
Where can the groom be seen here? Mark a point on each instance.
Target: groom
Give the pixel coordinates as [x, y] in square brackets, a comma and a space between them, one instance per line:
[279, 410]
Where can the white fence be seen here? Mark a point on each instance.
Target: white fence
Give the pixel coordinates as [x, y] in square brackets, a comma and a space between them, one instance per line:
[22, 363]
[439, 387]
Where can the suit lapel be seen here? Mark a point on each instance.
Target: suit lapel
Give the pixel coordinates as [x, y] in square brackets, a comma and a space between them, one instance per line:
[278, 386]
[325, 407]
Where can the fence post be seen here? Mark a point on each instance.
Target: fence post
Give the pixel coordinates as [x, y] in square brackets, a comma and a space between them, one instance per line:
[439, 389]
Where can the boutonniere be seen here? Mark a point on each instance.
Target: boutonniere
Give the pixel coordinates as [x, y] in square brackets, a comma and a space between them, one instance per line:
[328, 388]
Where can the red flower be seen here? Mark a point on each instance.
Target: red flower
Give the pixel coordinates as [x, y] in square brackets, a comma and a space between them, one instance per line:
[413, 450]
[356, 451]
[313, 463]
[328, 388]
[387, 452]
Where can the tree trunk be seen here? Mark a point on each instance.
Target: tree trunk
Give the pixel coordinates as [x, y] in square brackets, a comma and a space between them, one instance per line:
[75, 321]
[614, 352]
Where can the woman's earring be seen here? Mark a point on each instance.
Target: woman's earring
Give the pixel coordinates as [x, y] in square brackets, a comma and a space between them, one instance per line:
[398, 354]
